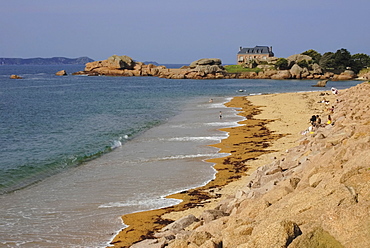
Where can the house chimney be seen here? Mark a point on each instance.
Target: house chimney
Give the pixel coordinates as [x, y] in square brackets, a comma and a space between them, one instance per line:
[240, 48]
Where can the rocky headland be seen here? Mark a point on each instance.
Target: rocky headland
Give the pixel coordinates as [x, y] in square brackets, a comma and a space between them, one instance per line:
[210, 68]
[313, 194]
[126, 66]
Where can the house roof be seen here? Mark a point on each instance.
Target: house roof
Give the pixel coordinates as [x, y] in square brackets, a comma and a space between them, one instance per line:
[255, 50]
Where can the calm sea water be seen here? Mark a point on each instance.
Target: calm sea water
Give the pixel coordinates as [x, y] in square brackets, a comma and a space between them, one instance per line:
[77, 152]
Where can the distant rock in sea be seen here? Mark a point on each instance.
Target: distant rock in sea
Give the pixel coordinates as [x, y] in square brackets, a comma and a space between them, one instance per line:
[45, 61]
[15, 77]
[151, 62]
[321, 83]
[61, 73]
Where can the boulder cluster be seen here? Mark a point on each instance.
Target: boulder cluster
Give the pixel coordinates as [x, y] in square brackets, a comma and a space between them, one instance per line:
[317, 195]
[126, 66]
[211, 69]
[364, 75]
[293, 69]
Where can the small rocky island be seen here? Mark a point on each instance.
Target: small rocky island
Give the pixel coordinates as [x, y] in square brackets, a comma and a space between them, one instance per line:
[210, 68]
[126, 66]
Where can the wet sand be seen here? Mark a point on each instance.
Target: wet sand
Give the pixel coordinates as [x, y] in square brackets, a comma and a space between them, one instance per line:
[274, 123]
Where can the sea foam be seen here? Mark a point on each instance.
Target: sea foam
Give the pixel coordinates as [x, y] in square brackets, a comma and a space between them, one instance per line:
[148, 203]
[197, 138]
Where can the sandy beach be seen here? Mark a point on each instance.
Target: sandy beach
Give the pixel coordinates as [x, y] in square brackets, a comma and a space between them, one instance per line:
[274, 123]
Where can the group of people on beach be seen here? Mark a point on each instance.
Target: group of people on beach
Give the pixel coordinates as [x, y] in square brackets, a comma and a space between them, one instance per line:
[316, 121]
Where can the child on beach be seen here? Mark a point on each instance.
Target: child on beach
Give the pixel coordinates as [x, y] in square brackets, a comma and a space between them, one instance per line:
[329, 120]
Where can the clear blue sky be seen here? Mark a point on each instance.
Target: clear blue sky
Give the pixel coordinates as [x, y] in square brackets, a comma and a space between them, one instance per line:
[171, 31]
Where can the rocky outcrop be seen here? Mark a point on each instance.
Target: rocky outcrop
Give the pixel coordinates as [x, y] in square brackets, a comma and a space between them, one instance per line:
[299, 66]
[364, 75]
[346, 75]
[317, 195]
[61, 73]
[321, 83]
[201, 62]
[126, 66]
[15, 77]
[285, 74]
[114, 62]
[207, 66]
[296, 71]
[296, 58]
[209, 69]
[316, 69]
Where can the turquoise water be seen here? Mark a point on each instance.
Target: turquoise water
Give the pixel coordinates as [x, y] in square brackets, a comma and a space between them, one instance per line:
[52, 123]
[76, 147]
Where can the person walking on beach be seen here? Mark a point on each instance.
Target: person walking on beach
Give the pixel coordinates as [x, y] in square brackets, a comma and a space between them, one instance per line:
[220, 115]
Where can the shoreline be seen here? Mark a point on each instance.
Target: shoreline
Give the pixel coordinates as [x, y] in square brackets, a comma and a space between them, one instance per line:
[267, 136]
[290, 135]
[142, 225]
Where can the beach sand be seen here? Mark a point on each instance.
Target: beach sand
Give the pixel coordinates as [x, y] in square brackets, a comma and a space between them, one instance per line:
[274, 123]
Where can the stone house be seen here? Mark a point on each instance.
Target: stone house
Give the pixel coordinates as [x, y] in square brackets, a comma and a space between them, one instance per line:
[258, 52]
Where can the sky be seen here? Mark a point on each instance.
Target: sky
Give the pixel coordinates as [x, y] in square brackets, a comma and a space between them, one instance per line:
[180, 32]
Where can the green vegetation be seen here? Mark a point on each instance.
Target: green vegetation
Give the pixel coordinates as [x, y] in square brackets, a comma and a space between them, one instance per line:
[239, 69]
[366, 70]
[360, 61]
[303, 63]
[282, 64]
[340, 60]
[314, 55]
[336, 62]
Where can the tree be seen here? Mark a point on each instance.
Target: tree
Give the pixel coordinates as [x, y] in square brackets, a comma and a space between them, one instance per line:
[316, 56]
[303, 63]
[327, 61]
[360, 61]
[281, 64]
[342, 59]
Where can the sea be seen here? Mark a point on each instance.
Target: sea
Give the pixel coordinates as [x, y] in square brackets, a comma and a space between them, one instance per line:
[78, 152]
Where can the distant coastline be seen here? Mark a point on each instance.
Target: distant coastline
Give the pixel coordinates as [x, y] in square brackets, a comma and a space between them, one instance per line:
[45, 61]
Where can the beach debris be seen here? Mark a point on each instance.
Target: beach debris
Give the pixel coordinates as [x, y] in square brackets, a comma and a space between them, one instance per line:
[334, 90]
